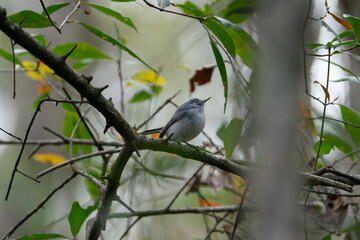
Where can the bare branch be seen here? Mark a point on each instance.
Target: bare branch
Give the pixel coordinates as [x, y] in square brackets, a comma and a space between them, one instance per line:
[48, 15]
[40, 205]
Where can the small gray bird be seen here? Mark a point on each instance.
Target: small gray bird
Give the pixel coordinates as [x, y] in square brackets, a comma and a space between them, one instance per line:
[187, 122]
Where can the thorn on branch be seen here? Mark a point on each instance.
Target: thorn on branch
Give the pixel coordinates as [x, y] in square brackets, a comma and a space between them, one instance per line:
[107, 126]
[25, 175]
[88, 78]
[102, 88]
[64, 57]
[21, 21]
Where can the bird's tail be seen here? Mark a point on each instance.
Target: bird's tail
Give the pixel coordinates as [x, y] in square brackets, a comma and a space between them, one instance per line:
[151, 131]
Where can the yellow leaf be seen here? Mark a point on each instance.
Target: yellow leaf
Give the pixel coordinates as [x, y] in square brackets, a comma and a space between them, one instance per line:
[239, 184]
[149, 77]
[35, 72]
[51, 158]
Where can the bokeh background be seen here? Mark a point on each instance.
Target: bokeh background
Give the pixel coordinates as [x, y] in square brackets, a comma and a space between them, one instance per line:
[176, 45]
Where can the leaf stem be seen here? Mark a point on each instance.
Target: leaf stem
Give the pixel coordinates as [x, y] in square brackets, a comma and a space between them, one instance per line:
[324, 113]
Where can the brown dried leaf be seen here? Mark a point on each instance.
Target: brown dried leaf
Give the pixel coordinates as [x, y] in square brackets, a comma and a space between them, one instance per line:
[305, 113]
[201, 76]
[194, 184]
[228, 230]
[325, 90]
[216, 179]
[343, 22]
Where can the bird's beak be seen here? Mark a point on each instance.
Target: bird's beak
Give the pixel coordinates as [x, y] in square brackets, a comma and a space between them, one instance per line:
[204, 101]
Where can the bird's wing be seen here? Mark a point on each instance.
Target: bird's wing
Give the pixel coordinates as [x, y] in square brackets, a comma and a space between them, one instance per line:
[174, 119]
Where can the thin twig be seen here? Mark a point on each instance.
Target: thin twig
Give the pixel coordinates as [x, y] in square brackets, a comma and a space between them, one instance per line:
[91, 178]
[48, 15]
[118, 199]
[184, 186]
[22, 148]
[331, 194]
[62, 142]
[128, 229]
[156, 173]
[200, 210]
[158, 110]
[239, 211]
[40, 205]
[176, 13]
[11, 135]
[13, 62]
[323, 115]
[70, 161]
[71, 13]
[215, 225]
[99, 147]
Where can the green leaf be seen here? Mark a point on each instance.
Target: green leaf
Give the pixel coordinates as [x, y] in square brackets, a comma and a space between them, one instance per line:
[324, 24]
[327, 237]
[82, 64]
[9, 57]
[341, 67]
[163, 3]
[78, 216]
[53, 8]
[230, 135]
[338, 143]
[36, 103]
[144, 94]
[40, 38]
[347, 79]
[218, 30]
[42, 236]
[191, 9]
[354, 228]
[350, 43]
[326, 147]
[67, 107]
[82, 51]
[113, 14]
[344, 34]
[355, 24]
[114, 41]
[348, 115]
[70, 120]
[31, 20]
[239, 10]
[353, 55]
[313, 46]
[123, 0]
[246, 48]
[221, 66]
[91, 187]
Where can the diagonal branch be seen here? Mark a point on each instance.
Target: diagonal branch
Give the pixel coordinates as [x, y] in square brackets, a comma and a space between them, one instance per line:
[39, 206]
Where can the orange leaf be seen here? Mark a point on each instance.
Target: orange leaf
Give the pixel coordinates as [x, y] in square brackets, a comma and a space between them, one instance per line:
[208, 203]
[51, 158]
[325, 90]
[155, 135]
[201, 76]
[343, 22]
[44, 89]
